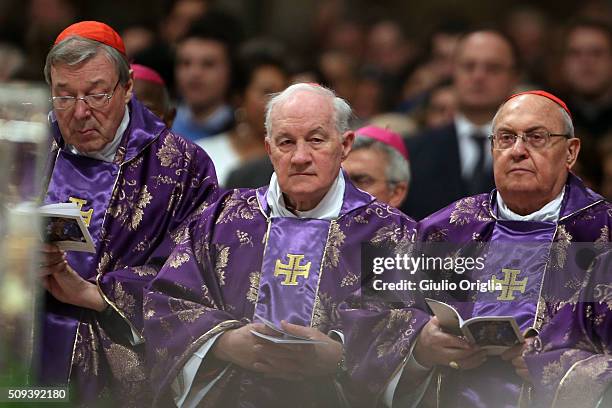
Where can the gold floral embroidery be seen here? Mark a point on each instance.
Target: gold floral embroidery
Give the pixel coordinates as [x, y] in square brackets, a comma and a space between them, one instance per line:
[553, 371]
[159, 179]
[381, 210]
[397, 237]
[437, 235]
[180, 235]
[147, 308]
[604, 238]
[104, 262]
[235, 206]
[144, 270]
[349, 280]
[560, 247]
[335, 241]
[584, 384]
[223, 253]
[464, 208]
[86, 356]
[253, 287]
[125, 363]
[244, 238]
[169, 155]
[603, 294]
[143, 245]
[387, 341]
[177, 259]
[130, 209]
[123, 300]
[186, 311]
[325, 312]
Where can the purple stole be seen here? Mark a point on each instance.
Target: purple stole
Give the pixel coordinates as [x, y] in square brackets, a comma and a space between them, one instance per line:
[516, 259]
[91, 182]
[91, 185]
[291, 269]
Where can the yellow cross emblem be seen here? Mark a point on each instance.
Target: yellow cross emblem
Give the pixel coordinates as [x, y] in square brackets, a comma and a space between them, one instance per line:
[85, 214]
[292, 270]
[509, 284]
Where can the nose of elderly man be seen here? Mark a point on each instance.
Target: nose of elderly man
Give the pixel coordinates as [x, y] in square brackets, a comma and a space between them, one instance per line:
[81, 109]
[301, 154]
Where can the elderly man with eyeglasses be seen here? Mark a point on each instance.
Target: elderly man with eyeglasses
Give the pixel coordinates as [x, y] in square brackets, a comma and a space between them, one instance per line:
[526, 232]
[135, 182]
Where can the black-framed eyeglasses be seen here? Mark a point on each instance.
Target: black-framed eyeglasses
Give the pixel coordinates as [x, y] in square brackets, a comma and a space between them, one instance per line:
[536, 139]
[95, 101]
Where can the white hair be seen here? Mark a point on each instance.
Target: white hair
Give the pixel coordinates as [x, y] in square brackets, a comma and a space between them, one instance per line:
[342, 110]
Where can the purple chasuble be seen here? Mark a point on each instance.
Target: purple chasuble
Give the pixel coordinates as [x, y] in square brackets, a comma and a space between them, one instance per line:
[156, 182]
[232, 264]
[530, 257]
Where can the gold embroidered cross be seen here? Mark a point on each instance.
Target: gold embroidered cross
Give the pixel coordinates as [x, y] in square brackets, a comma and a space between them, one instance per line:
[509, 284]
[291, 270]
[85, 214]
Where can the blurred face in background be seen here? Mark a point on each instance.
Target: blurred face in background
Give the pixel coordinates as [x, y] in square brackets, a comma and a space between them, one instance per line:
[183, 13]
[484, 71]
[202, 73]
[441, 108]
[587, 65]
[367, 169]
[266, 80]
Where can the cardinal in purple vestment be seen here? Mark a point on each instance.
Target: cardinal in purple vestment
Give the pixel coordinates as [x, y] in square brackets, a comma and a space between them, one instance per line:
[545, 238]
[135, 183]
[287, 254]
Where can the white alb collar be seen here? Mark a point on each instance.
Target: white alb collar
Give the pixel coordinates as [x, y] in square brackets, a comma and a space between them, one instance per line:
[327, 209]
[548, 213]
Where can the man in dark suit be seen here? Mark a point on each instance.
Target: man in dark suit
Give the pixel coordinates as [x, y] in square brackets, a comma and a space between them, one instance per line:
[454, 161]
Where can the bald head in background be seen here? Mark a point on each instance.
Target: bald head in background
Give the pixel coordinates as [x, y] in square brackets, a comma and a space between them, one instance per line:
[150, 89]
[485, 74]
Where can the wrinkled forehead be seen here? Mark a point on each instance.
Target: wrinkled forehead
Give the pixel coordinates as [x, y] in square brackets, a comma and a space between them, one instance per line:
[305, 109]
[97, 68]
[529, 110]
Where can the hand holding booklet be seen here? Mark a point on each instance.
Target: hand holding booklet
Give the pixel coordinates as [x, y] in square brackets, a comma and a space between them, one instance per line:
[495, 334]
[282, 336]
[63, 226]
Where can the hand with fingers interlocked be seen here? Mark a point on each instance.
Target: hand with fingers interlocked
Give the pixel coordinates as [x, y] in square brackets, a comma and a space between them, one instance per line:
[286, 361]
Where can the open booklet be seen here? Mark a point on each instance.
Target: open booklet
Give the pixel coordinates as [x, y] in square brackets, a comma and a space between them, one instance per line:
[63, 226]
[495, 334]
[283, 337]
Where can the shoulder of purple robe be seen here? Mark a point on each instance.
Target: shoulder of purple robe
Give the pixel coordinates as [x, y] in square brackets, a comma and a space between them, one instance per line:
[570, 359]
[470, 218]
[578, 197]
[122, 288]
[585, 215]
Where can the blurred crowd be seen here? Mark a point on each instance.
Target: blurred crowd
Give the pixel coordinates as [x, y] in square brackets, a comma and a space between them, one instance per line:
[219, 69]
